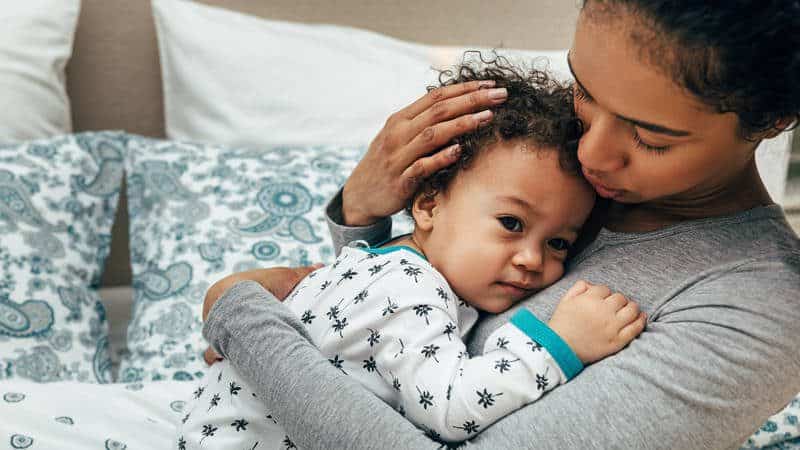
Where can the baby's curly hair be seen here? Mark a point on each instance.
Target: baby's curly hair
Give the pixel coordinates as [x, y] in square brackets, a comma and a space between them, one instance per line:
[539, 110]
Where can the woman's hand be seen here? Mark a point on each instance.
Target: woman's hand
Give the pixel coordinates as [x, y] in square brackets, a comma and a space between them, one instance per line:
[405, 150]
[277, 280]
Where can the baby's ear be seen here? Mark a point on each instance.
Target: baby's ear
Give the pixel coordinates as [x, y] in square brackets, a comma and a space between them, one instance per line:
[423, 210]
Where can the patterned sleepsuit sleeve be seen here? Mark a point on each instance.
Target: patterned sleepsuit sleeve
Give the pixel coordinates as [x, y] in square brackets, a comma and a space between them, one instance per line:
[441, 388]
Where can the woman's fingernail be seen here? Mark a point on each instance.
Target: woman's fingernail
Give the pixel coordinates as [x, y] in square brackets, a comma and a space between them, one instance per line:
[498, 94]
[455, 150]
[483, 117]
[486, 84]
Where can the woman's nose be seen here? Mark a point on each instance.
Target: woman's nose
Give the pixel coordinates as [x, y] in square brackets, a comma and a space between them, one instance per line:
[602, 146]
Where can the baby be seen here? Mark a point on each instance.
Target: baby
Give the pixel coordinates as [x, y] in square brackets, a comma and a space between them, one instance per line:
[492, 229]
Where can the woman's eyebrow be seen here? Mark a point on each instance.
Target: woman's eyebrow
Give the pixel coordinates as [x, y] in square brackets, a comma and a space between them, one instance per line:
[639, 123]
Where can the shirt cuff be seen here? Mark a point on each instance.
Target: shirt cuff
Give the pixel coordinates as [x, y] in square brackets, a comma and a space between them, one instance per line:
[343, 234]
[535, 329]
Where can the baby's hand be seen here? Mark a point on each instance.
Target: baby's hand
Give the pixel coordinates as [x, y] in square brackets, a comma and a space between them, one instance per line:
[596, 323]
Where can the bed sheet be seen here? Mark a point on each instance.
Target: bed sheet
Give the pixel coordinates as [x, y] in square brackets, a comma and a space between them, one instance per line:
[70, 415]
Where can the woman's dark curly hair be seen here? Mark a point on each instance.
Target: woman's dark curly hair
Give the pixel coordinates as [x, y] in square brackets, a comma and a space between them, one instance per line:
[739, 56]
[539, 110]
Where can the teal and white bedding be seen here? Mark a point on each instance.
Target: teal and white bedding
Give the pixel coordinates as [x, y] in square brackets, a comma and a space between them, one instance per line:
[198, 212]
[73, 415]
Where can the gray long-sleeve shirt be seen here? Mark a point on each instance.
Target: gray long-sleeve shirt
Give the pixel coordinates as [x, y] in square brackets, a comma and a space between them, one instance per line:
[718, 357]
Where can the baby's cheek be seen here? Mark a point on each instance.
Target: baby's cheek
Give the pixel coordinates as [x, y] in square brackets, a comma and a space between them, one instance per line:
[554, 272]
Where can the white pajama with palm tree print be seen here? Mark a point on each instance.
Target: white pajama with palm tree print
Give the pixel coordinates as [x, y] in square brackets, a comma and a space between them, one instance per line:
[388, 318]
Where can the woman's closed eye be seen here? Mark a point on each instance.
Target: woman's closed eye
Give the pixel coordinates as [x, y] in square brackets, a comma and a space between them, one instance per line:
[511, 223]
[649, 147]
[558, 244]
[582, 96]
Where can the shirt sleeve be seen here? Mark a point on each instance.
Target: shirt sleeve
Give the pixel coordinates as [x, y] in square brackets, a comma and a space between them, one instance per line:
[443, 390]
[342, 234]
[705, 374]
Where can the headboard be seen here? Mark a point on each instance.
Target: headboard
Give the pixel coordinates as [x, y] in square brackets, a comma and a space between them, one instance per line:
[114, 81]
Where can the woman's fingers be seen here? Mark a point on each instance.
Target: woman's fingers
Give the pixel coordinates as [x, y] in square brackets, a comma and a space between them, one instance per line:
[282, 280]
[426, 166]
[438, 135]
[302, 271]
[442, 93]
[458, 106]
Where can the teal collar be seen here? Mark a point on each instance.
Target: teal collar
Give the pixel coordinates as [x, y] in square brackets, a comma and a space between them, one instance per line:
[393, 248]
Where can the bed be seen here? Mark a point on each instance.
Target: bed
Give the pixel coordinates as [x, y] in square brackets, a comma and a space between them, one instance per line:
[155, 116]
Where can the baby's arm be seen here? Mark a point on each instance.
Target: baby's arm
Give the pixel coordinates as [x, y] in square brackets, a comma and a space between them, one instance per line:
[454, 397]
[443, 390]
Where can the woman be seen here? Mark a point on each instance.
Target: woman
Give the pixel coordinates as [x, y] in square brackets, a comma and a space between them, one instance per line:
[674, 99]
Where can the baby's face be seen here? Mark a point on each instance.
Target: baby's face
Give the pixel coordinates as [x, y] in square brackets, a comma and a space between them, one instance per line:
[503, 228]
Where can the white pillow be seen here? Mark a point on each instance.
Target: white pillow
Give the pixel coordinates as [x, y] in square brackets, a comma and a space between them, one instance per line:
[238, 80]
[35, 45]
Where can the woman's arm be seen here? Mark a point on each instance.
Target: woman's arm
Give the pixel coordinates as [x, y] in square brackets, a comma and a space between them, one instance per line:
[705, 375]
[279, 281]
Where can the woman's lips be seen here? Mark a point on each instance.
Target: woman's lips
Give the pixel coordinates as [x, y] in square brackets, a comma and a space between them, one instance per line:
[602, 189]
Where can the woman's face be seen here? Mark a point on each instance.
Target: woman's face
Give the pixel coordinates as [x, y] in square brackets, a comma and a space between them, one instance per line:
[646, 139]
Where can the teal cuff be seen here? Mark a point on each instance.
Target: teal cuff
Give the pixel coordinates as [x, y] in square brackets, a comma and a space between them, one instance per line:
[547, 338]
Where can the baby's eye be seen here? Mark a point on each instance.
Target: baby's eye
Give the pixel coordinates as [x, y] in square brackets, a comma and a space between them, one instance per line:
[559, 244]
[511, 223]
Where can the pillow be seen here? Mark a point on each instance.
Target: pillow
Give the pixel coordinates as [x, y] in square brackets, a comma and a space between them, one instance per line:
[57, 203]
[35, 45]
[199, 212]
[294, 83]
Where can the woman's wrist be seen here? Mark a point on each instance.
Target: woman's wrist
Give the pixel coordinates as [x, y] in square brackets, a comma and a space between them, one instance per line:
[353, 216]
[356, 219]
